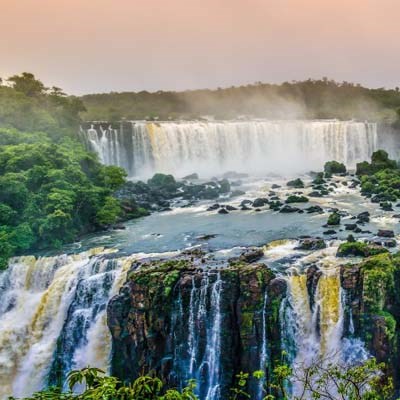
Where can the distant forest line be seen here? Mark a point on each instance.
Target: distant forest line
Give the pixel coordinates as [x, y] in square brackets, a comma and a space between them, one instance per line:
[310, 99]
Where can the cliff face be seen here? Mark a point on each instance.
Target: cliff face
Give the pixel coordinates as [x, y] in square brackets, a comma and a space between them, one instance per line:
[182, 320]
[373, 307]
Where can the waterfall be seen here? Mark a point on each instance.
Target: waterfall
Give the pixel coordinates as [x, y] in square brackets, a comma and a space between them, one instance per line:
[52, 318]
[263, 366]
[312, 323]
[257, 147]
[204, 336]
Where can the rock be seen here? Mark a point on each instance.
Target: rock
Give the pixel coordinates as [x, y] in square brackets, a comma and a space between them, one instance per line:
[251, 255]
[275, 186]
[315, 193]
[119, 227]
[314, 209]
[386, 206]
[311, 244]
[386, 233]
[350, 227]
[207, 236]
[246, 202]
[230, 208]
[191, 177]
[296, 183]
[296, 199]
[289, 209]
[329, 232]
[245, 208]
[359, 249]
[223, 211]
[334, 219]
[214, 207]
[260, 202]
[334, 167]
[363, 217]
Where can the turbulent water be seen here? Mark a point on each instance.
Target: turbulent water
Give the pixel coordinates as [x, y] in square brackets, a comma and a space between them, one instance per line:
[209, 148]
[52, 309]
[52, 318]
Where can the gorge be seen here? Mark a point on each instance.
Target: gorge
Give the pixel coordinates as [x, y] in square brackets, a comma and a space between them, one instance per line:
[192, 293]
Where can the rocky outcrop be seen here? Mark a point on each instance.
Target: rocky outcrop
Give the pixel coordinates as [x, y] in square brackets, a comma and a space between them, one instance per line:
[177, 317]
[373, 307]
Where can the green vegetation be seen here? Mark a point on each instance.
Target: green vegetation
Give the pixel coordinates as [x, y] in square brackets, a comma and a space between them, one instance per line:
[296, 199]
[359, 249]
[309, 99]
[360, 382]
[334, 167]
[296, 184]
[51, 189]
[334, 219]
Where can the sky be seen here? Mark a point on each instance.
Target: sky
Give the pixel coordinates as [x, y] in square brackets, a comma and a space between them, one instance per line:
[92, 46]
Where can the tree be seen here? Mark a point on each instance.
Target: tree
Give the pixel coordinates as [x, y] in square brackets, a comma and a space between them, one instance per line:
[27, 83]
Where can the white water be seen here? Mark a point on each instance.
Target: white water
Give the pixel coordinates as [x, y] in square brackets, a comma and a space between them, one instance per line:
[47, 299]
[210, 148]
[207, 366]
[314, 333]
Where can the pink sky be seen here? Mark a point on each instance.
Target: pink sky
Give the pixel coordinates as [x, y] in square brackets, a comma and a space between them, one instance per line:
[103, 45]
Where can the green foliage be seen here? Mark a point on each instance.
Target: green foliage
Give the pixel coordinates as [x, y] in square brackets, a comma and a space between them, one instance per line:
[379, 161]
[296, 183]
[359, 249]
[310, 99]
[334, 167]
[51, 189]
[334, 219]
[296, 199]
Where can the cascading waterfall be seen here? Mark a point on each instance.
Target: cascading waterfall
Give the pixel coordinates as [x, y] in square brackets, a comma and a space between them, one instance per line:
[204, 337]
[52, 315]
[314, 329]
[257, 147]
[264, 346]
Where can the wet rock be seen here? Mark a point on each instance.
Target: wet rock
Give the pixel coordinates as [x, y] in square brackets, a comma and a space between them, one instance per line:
[311, 244]
[245, 208]
[363, 217]
[260, 202]
[386, 233]
[296, 199]
[214, 207]
[275, 186]
[230, 208]
[246, 202]
[386, 206]
[329, 232]
[223, 211]
[296, 183]
[289, 209]
[207, 236]
[251, 255]
[191, 177]
[314, 209]
[315, 193]
[350, 227]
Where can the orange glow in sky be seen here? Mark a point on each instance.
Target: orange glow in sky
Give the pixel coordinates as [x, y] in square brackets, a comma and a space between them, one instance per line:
[103, 45]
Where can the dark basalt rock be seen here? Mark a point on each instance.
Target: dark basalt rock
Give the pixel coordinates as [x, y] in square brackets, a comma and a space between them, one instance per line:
[250, 255]
[245, 208]
[314, 209]
[260, 202]
[275, 186]
[230, 208]
[289, 209]
[363, 217]
[149, 320]
[329, 232]
[223, 211]
[350, 227]
[311, 244]
[214, 207]
[191, 177]
[296, 183]
[386, 233]
[246, 202]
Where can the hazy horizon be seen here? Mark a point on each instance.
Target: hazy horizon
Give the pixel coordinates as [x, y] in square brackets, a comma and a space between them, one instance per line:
[121, 45]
